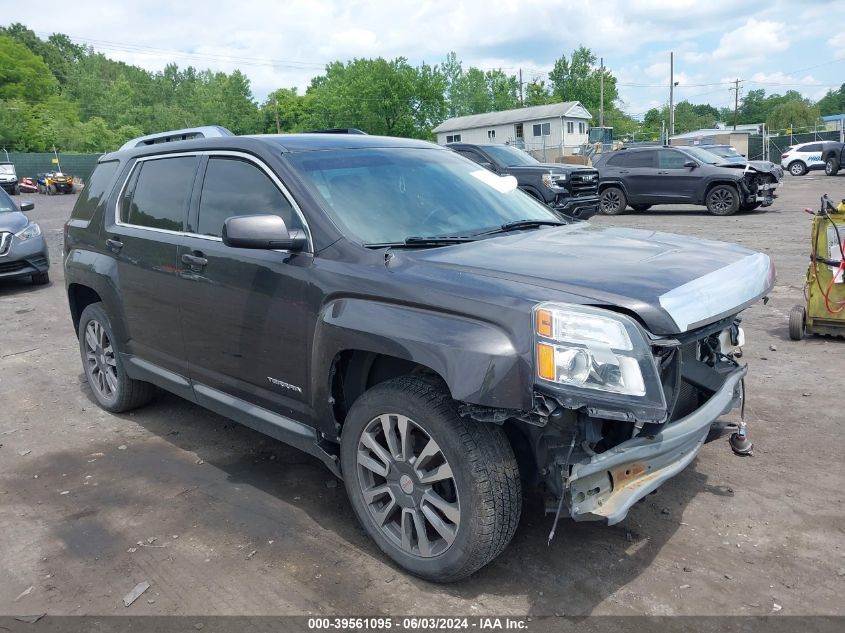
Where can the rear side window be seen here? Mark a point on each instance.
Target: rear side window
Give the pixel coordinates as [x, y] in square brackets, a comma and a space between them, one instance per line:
[815, 147]
[236, 187]
[95, 190]
[158, 193]
[640, 159]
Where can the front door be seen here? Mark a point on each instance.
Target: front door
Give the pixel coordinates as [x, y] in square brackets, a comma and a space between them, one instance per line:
[674, 183]
[144, 239]
[243, 311]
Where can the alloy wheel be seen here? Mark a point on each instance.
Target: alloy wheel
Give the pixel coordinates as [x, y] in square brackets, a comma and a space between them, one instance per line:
[100, 360]
[722, 199]
[408, 486]
[610, 201]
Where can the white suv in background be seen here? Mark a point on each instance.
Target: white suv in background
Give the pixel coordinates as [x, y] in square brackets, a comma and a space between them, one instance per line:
[801, 158]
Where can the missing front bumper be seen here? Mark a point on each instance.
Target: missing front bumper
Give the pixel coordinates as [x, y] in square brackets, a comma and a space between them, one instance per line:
[606, 487]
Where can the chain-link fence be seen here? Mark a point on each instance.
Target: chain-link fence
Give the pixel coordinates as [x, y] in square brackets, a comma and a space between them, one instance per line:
[30, 164]
[778, 144]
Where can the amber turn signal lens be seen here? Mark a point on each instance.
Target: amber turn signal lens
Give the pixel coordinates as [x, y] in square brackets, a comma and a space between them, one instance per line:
[544, 323]
[546, 361]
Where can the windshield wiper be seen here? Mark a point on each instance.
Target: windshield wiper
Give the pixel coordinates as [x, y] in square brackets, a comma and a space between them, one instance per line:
[414, 241]
[521, 224]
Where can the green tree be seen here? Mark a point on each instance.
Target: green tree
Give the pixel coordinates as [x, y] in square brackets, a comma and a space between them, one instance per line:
[23, 74]
[793, 114]
[579, 79]
[286, 106]
[833, 102]
[536, 93]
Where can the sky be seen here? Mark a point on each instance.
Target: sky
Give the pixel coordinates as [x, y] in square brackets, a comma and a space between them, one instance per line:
[777, 45]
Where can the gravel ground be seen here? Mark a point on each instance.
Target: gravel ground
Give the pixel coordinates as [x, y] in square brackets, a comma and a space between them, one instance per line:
[221, 520]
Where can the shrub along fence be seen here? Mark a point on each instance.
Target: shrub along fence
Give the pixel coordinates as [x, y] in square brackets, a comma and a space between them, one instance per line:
[30, 164]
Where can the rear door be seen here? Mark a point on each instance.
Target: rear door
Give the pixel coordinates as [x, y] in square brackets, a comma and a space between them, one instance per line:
[243, 311]
[637, 174]
[143, 234]
[811, 154]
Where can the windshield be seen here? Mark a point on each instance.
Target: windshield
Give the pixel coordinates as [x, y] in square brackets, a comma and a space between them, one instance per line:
[386, 195]
[7, 169]
[703, 155]
[510, 156]
[6, 204]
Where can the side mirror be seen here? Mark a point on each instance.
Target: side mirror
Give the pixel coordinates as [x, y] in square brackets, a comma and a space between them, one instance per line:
[27, 205]
[691, 164]
[267, 232]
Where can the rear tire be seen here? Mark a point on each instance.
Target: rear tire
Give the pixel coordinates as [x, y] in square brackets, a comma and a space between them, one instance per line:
[613, 201]
[477, 493]
[797, 323]
[639, 208]
[831, 166]
[723, 200]
[797, 168]
[112, 388]
[39, 279]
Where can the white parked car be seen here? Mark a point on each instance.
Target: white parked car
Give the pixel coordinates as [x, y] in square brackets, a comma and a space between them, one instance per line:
[801, 158]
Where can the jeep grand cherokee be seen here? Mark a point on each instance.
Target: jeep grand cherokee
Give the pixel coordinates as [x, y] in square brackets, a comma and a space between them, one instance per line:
[435, 336]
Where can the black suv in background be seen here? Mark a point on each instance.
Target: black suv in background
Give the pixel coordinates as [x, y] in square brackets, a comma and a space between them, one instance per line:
[645, 176]
[436, 337]
[568, 189]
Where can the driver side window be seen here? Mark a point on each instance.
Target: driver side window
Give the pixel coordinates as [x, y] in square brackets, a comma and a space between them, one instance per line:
[237, 187]
[670, 159]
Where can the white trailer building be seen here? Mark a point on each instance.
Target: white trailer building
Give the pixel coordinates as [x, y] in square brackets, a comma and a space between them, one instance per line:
[547, 131]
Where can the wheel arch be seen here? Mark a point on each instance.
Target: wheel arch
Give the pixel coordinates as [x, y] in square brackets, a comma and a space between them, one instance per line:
[359, 343]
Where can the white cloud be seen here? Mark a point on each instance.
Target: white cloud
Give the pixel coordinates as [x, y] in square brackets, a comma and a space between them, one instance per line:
[837, 42]
[753, 41]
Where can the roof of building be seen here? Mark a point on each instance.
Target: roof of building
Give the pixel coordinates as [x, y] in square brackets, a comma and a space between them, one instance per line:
[833, 117]
[573, 109]
[708, 132]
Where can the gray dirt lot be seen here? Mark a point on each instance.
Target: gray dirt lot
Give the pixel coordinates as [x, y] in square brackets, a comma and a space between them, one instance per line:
[245, 525]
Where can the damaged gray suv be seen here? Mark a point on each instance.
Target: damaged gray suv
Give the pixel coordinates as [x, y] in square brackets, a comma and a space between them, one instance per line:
[436, 337]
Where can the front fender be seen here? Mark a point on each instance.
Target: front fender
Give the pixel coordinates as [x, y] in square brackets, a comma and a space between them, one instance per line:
[478, 360]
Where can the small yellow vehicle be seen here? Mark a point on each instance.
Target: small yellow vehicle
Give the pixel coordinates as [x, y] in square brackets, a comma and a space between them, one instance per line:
[824, 289]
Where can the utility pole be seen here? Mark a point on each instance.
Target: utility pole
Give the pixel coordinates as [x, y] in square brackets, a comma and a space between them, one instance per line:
[601, 94]
[276, 112]
[521, 98]
[736, 100]
[671, 93]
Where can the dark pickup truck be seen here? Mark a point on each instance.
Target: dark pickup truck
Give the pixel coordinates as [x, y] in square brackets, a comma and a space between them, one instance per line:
[438, 339]
[568, 189]
[833, 155]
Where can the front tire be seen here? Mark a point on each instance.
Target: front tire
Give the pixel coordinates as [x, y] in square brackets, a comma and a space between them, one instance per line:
[723, 200]
[39, 279]
[831, 166]
[797, 168]
[613, 201]
[439, 494]
[112, 388]
[797, 322]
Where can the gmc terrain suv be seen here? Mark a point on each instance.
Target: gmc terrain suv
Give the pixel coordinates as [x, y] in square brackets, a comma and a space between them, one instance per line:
[644, 176]
[438, 338]
[568, 189]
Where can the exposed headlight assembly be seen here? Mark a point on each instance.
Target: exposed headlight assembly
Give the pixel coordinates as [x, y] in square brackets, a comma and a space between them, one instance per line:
[597, 359]
[555, 182]
[28, 232]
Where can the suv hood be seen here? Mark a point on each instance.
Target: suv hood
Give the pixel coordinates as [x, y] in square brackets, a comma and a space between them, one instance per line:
[546, 168]
[12, 221]
[672, 283]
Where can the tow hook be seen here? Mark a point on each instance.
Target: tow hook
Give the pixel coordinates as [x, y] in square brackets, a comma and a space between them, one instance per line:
[740, 444]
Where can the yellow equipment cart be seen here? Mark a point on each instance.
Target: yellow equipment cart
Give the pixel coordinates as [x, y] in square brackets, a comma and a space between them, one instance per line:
[824, 289]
